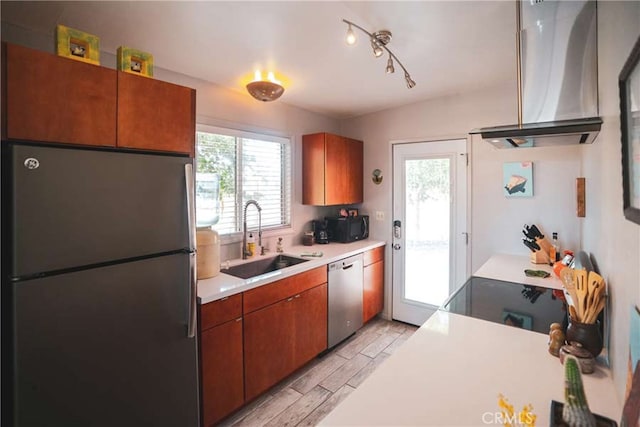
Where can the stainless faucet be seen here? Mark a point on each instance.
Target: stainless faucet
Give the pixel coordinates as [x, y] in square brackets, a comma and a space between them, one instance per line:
[245, 253]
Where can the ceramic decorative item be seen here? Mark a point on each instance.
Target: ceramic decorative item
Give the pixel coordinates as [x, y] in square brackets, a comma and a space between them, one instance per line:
[135, 61]
[78, 45]
[585, 335]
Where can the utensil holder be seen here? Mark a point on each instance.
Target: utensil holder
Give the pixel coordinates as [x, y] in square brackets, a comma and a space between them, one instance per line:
[586, 335]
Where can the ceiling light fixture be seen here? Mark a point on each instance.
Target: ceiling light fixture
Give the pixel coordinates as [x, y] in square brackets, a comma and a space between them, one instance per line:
[351, 36]
[390, 68]
[379, 41]
[265, 90]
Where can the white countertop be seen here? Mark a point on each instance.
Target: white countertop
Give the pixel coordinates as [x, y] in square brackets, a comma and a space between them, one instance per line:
[510, 268]
[224, 285]
[451, 371]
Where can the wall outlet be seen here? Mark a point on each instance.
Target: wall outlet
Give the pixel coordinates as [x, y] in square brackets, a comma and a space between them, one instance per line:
[379, 216]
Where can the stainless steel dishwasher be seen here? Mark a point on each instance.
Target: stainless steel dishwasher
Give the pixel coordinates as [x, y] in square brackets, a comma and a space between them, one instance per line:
[345, 298]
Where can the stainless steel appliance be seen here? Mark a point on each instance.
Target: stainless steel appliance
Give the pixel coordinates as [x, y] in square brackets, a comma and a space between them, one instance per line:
[345, 298]
[557, 73]
[98, 288]
[348, 229]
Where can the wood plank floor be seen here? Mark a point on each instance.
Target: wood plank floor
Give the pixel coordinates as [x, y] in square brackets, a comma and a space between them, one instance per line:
[308, 395]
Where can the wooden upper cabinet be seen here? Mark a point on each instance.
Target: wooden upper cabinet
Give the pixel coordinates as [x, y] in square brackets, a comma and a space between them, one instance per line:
[49, 98]
[155, 115]
[331, 170]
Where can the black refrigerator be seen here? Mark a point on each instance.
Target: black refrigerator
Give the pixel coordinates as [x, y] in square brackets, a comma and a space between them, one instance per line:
[98, 288]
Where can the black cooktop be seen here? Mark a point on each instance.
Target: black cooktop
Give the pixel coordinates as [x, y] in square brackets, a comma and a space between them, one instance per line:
[514, 304]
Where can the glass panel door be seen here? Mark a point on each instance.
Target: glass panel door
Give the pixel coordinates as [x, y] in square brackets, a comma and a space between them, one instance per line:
[430, 235]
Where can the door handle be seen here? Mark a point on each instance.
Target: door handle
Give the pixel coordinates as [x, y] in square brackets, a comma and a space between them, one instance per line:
[397, 246]
[193, 274]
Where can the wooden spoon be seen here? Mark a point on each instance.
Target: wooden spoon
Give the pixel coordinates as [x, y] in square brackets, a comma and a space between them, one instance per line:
[580, 282]
[594, 281]
[567, 275]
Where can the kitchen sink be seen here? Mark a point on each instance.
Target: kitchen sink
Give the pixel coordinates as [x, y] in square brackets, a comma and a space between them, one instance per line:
[262, 266]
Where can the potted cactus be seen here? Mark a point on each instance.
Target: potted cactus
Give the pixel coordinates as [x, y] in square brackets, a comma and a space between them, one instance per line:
[576, 411]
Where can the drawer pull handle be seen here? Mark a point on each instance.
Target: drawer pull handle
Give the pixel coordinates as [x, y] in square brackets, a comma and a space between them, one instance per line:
[239, 319]
[289, 299]
[224, 299]
[297, 296]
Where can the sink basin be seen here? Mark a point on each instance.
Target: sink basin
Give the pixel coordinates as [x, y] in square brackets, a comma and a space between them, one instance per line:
[262, 266]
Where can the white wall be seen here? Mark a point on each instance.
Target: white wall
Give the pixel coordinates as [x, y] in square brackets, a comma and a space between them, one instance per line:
[222, 107]
[613, 241]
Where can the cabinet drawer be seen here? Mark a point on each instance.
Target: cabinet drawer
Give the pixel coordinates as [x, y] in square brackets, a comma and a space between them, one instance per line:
[276, 291]
[374, 255]
[220, 311]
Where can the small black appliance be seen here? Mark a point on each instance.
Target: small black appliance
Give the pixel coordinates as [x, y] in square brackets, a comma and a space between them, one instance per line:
[348, 229]
[320, 231]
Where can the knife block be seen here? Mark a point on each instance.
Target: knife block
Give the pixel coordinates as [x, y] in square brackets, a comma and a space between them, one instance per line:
[540, 257]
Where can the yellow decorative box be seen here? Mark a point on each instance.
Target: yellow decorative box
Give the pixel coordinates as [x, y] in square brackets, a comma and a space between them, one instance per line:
[78, 45]
[135, 61]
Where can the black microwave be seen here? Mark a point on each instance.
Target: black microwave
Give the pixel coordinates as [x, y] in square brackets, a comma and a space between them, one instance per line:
[348, 229]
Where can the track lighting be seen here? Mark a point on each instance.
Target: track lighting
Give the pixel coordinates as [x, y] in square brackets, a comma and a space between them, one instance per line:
[351, 36]
[390, 68]
[377, 50]
[407, 78]
[379, 41]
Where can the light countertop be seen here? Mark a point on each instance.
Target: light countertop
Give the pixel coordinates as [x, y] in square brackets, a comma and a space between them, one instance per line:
[224, 285]
[510, 268]
[451, 371]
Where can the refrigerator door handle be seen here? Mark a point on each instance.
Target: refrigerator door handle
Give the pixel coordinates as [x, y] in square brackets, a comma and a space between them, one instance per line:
[191, 220]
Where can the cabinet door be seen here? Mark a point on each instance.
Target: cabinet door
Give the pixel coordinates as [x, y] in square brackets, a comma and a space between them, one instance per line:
[155, 115]
[267, 346]
[313, 169]
[280, 338]
[373, 290]
[355, 190]
[222, 371]
[310, 337]
[54, 99]
[337, 170]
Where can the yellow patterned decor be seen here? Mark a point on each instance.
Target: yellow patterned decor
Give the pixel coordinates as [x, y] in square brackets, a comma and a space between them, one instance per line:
[509, 418]
[135, 61]
[78, 45]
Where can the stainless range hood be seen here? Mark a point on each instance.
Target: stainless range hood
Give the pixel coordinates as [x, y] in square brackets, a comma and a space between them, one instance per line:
[557, 71]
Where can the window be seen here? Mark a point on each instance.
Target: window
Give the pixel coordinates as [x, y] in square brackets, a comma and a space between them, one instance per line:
[234, 167]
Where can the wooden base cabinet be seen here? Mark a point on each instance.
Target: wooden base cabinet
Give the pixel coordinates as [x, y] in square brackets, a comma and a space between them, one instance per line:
[280, 338]
[373, 284]
[221, 358]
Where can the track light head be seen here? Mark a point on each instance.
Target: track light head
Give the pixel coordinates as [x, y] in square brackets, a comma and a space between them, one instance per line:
[390, 69]
[379, 41]
[410, 82]
[351, 36]
[377, 50]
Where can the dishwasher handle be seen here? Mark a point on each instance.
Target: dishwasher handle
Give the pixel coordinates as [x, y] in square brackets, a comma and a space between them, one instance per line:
[346, 267]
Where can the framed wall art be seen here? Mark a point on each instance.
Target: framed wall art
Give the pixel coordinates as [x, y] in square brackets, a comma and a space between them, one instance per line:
[78, 45]
[135, 61]
[518, 179]
[629, 84]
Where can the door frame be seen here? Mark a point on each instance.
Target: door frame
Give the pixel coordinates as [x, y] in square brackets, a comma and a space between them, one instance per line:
[469, 145]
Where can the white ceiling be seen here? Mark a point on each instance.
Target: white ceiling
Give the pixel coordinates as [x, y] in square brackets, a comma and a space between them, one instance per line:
[448, 47]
